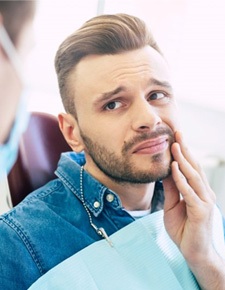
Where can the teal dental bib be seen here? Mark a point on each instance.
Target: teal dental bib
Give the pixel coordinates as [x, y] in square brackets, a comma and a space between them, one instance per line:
[143, 257]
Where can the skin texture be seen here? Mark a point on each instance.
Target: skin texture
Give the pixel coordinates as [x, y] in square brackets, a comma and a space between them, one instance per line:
[126, 112]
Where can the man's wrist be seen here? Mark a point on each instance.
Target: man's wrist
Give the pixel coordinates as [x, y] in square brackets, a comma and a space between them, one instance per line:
[210, 272]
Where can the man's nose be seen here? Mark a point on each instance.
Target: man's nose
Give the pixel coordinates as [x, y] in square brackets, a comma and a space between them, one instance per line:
[145, 116]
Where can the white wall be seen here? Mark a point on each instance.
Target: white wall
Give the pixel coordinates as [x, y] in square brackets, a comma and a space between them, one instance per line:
[204, 133]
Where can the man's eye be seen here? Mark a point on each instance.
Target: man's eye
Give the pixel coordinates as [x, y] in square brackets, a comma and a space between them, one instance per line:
[157, 96]
[113, 106]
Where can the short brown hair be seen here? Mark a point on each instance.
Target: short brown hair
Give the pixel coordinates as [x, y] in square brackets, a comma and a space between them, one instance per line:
[15, 14]
[104, 34]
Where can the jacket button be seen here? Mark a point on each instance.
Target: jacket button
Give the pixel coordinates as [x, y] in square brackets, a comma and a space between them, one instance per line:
[96, 204]
[110, 197]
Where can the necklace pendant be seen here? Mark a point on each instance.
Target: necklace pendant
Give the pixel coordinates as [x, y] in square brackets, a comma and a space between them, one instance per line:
[103, 233]
[99, 231]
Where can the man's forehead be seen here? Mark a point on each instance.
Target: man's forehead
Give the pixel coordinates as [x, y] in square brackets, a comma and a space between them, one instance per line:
[134, 61]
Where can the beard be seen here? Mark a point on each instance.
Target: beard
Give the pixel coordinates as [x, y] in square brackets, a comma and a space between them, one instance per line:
[121, 169]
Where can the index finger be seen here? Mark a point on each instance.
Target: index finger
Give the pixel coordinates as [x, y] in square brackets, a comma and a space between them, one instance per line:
[190, 157]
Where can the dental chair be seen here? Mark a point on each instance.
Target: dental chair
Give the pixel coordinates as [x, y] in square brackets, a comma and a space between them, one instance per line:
[39, 151]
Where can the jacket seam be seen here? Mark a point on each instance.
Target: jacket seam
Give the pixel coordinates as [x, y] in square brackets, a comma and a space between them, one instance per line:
[18, 230]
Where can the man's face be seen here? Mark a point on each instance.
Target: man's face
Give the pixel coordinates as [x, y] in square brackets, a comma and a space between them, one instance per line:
[126, 115]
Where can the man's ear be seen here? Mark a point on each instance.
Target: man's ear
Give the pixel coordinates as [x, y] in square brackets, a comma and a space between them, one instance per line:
[70, 130]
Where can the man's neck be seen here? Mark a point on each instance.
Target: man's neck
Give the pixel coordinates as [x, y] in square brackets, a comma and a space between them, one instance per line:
[134, 196]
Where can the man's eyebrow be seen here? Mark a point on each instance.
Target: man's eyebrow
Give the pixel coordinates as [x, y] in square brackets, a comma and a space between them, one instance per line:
[160, 83]
[108, 95]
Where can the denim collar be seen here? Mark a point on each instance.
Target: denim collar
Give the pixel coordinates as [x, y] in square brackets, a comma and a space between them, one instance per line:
[95, 193]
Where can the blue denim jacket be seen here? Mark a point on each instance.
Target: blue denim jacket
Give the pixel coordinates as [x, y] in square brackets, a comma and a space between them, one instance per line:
[51, 224]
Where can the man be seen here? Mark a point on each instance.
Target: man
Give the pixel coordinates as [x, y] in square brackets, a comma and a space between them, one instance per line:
[121, 112]
[15, 41]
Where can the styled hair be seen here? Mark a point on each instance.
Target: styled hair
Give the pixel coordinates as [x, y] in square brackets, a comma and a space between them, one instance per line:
[104, 34]
[15, 15]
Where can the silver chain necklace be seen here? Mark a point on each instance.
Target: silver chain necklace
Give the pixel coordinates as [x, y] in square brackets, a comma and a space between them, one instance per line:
[100, 231]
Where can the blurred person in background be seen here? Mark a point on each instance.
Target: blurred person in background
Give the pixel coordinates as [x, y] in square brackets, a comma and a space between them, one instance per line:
[16, 18]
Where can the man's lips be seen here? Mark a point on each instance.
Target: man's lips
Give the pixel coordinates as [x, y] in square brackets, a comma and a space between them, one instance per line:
[152, 146]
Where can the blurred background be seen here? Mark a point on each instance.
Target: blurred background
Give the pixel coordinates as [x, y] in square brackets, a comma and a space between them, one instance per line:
[191, 35]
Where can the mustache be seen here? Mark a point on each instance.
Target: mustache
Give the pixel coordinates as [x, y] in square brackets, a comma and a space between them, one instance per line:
[148, 135]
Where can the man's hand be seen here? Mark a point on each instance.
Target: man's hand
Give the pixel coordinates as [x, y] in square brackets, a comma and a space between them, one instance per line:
[188, 216]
